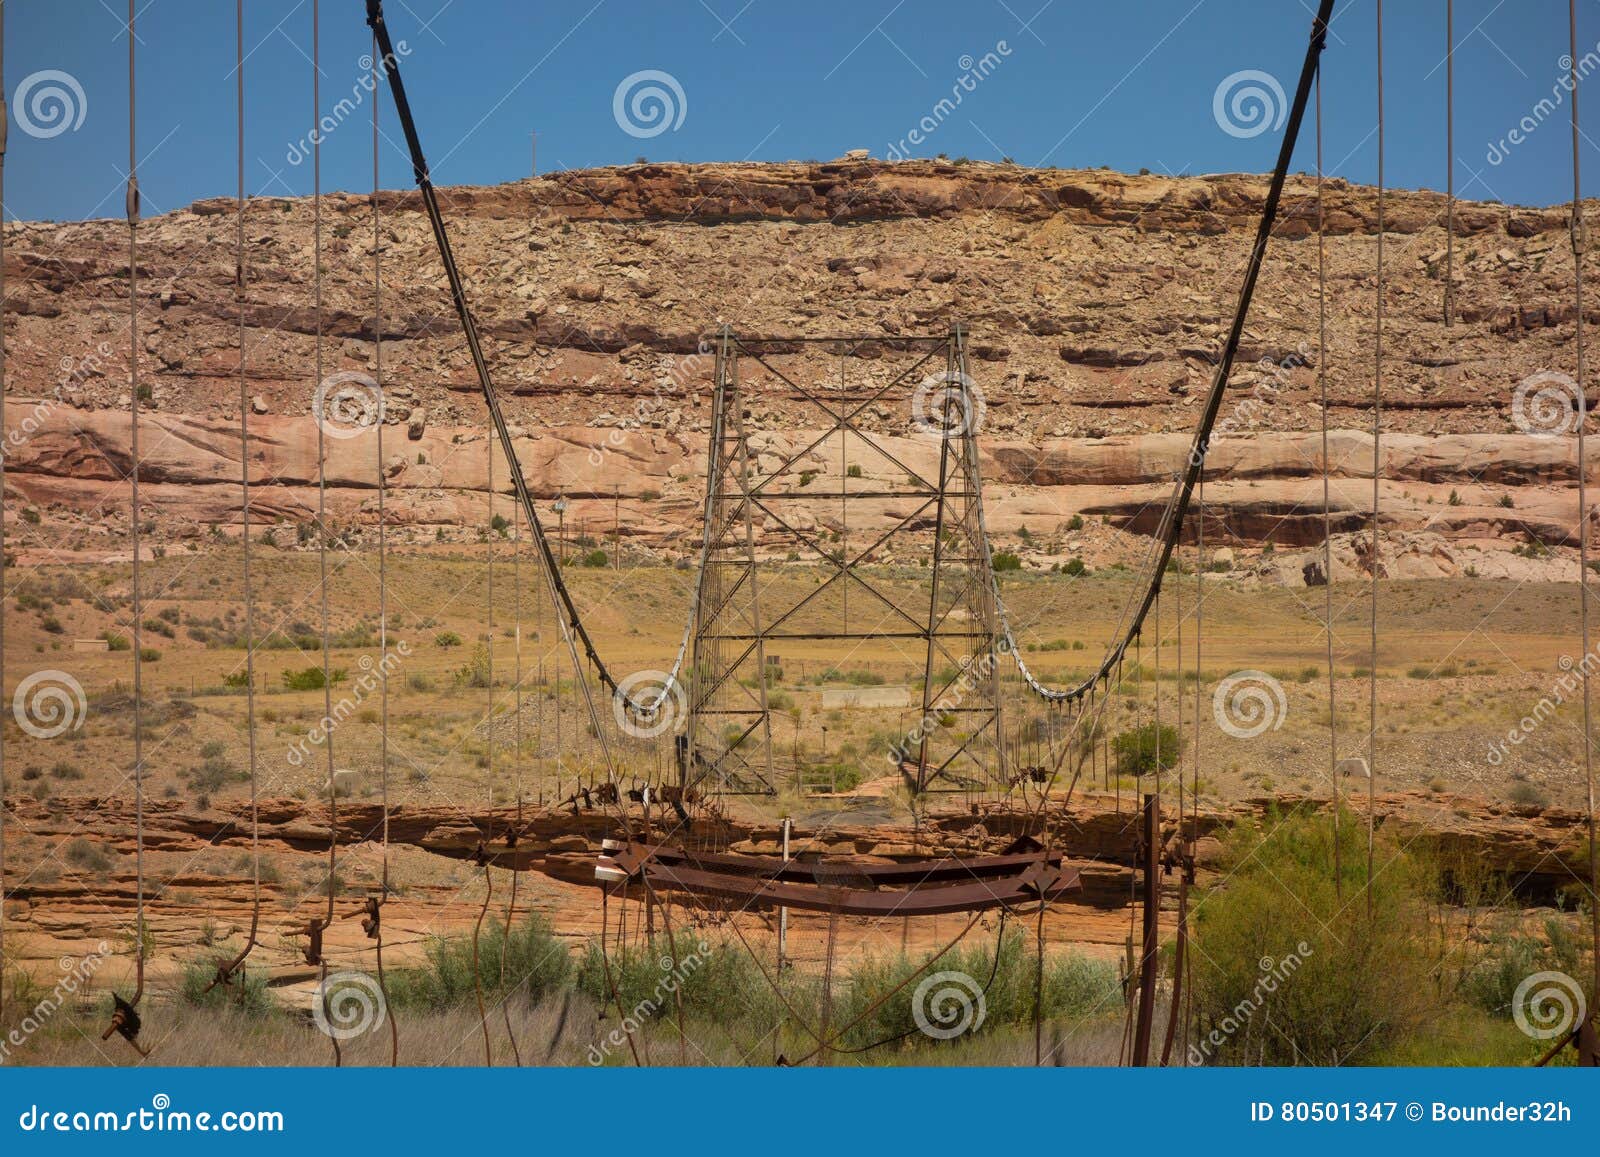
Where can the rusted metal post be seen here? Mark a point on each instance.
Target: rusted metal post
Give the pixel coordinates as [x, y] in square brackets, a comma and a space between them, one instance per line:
[1150, 855]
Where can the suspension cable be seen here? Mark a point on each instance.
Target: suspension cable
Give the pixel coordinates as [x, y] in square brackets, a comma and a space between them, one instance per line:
[571, 624]
[5, 121]
[515, 835]
[1450, 162]
[1327, 501]
[488, 746]
[1377, 433]
[322, 508]
[1579, 246]
[226, 969]
[1178, 504]
[129, 1027]
[383, 577]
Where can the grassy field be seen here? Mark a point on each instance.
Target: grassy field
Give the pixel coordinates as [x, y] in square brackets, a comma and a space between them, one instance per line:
[1460, 663]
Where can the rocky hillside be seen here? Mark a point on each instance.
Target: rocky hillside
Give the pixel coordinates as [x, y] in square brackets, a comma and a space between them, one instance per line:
[1095, 304]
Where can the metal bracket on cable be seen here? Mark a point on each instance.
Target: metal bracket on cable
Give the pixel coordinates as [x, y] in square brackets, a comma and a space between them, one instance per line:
[126, 1024]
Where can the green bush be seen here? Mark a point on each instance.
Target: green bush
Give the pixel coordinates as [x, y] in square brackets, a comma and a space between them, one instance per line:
[1005, 560]
[714, 981]
[1136, 748]
[536, 964]
[312, 678]
[1290, 971]
[446, 640]
[1074, 568]
[879, 994]
[476, 671]
[247, 990]
[595, 558]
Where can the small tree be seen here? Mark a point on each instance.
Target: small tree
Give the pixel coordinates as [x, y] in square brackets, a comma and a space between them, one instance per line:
[1136, 749]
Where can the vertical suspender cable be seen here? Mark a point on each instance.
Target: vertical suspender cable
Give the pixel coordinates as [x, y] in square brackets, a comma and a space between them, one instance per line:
[1377, 431]
[488, 739]
[244, 514]
[1327, 501]
[125, 1017]
[322, 495]
[1450, 162]
[226, 969]
[136, 512]
[516, 764]
[383, 572]
[5, 120]
[1579, 245]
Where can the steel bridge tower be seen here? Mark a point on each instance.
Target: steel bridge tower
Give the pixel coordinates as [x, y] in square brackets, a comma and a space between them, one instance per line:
[917, 507]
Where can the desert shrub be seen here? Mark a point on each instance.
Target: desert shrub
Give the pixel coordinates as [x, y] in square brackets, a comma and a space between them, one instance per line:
[1136, 748]
[312, 678]
[246, 991]
[1525, 794]
[476, 671]
[595, 558]
[90, 857]
[535, 964]
[717, 981]
[881, 997]
[1074, 568]
[1005, 560]
[212, 774]
[446, 640]
[1289, 970]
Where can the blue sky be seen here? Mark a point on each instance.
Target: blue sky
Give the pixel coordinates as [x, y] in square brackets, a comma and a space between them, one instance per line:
[1068, 83]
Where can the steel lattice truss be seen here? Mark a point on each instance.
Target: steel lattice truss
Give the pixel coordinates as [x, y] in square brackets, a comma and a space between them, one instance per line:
[776, 504]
